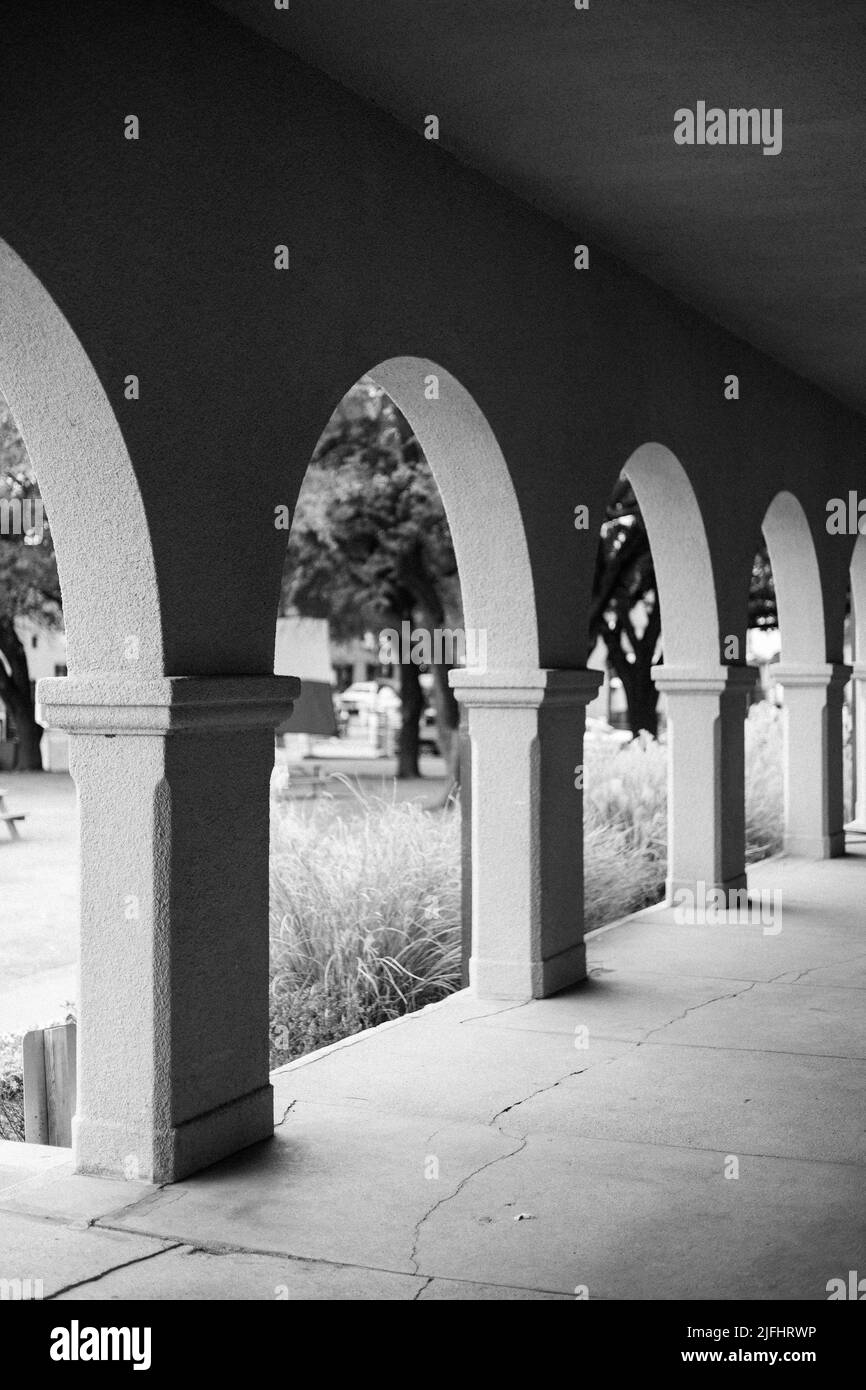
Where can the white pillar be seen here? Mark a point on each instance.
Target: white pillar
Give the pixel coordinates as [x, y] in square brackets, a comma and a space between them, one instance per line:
[814, 792]
[172, 777]
[706, 775]
[526, 730]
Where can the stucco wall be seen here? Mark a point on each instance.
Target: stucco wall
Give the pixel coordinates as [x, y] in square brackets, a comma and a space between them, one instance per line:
[160, 253]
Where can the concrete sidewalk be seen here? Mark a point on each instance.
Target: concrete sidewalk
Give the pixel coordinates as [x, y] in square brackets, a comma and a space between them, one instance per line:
[689, 1124]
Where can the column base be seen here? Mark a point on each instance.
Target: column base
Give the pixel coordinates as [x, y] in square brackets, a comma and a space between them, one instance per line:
[816, 846]
[508, 979]
[116, 1150]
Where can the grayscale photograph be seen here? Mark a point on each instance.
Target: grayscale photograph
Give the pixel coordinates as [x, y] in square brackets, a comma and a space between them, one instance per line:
[432, 671]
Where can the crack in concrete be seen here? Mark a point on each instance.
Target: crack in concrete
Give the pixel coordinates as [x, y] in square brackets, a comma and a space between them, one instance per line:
[540, 1092]
[812, 968]
[495, 1013]
[427, 1282]
[523, 1140]
[693, 1008]
[117, 1212]
[416, 1234]
[125, 1264]
[140, 1207]
[291, 1105]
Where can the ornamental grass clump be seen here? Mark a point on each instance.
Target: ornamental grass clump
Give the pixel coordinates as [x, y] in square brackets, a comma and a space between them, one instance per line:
[365, 917]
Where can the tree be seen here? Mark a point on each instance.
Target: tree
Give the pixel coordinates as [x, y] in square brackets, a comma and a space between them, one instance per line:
[29, 586]
[625, 610]
[370, 549]
[762, 593]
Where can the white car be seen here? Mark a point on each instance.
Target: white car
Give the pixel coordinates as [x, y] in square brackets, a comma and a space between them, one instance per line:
[364, 697]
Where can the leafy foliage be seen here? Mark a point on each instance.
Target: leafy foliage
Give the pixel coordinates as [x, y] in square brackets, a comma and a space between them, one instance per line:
[370, 547]
[369, 541]
[29, 586]
[625, 609]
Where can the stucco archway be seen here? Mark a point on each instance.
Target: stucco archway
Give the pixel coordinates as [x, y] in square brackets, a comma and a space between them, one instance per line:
[499, 601]
[797, 580]
[480, 503]
[814, 687]
[86, 478]
[705, 698]
[681, 556]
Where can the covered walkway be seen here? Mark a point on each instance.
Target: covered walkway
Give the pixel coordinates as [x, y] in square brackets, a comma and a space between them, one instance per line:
[707, 1141]
[217, 218]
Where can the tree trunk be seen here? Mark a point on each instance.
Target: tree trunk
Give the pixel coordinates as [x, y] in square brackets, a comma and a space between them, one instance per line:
[16, 694]
[640, 689]
[448, 722]
[411, 706]
[29, 735]
[642, 697]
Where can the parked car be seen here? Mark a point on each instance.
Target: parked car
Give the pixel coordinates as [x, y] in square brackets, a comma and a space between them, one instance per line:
[364, 697]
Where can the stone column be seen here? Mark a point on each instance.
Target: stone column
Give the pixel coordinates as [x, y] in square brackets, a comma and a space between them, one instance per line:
[526, 731]
[173, 788]
[814, 794]
[706, 712]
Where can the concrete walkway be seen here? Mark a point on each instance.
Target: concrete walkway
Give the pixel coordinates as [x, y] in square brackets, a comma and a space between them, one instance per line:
[483, 1152]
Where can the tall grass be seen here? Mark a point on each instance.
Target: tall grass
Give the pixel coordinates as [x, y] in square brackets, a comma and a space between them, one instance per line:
[365, 908]
[625, 828]
[764, 804]
[625, 815]
[365, 918]
[11, 1087]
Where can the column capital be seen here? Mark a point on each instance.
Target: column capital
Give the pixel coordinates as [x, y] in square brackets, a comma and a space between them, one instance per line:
[525, 689]
[820, 675]
[704, 680]
[112, 704]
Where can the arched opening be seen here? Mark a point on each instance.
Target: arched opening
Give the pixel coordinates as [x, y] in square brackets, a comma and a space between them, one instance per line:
[405, 540]
[681, 557]
[797, 579]
[764, 722]
[61, 447]
[813, 688]
[86, 479]
[654, 626]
